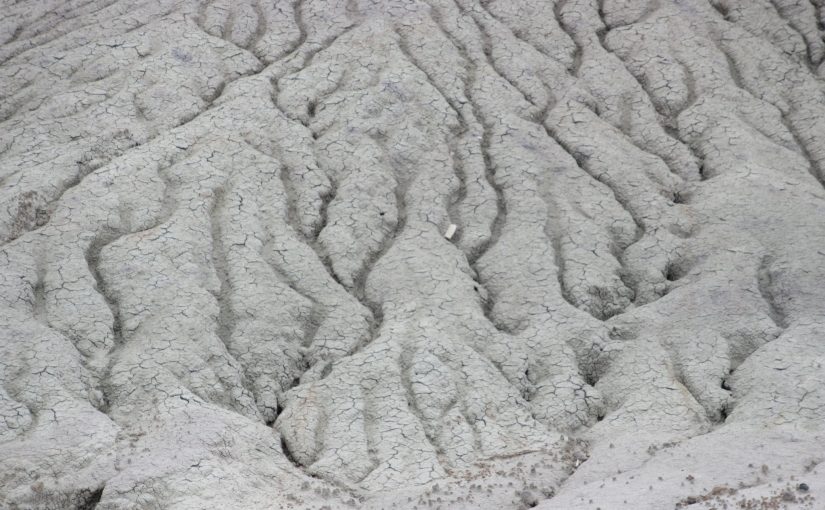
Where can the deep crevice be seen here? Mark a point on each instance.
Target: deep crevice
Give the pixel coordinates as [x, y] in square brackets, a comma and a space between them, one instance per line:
[92, 499]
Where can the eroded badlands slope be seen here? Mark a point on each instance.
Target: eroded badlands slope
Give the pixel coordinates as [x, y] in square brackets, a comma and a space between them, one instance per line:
[224, 280]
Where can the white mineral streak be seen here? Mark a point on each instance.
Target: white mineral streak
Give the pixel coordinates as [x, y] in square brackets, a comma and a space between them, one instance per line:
[450, 231]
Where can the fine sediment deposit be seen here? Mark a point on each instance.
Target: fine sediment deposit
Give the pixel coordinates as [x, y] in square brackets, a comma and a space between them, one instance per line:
[457, 254]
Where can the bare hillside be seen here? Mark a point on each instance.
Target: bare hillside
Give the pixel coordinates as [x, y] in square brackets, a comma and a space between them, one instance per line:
[412, 254]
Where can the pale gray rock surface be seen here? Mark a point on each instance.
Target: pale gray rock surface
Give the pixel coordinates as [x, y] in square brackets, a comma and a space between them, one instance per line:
[225, 280]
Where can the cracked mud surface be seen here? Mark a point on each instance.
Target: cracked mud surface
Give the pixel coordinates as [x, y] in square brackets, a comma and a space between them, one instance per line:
[225, 280]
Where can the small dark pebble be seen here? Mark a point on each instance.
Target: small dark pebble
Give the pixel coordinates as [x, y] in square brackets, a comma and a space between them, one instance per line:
[803, 487]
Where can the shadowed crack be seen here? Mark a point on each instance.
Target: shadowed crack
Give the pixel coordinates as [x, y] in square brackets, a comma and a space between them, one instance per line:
[766, 289]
